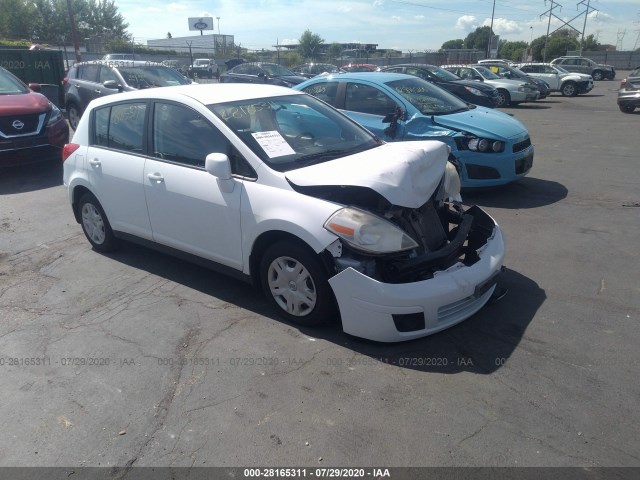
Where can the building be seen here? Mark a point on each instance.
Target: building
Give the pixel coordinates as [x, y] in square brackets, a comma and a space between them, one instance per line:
[207, 45]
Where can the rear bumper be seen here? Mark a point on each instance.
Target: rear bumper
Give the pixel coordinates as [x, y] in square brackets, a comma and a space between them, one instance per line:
[629, 98]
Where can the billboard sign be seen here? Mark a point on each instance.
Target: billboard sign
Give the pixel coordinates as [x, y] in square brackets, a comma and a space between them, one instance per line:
[201, 23]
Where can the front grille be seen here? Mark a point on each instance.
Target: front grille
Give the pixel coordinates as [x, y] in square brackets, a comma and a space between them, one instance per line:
[480, 172]
[523, 145]
[31, 124]
[462, 308]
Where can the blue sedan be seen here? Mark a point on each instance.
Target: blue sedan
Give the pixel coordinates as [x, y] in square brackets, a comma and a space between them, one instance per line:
[492, 147]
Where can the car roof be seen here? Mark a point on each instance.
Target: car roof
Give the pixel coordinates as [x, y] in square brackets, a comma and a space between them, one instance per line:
[122, 63]
[203, 93]
[377, 77]
[412, 65]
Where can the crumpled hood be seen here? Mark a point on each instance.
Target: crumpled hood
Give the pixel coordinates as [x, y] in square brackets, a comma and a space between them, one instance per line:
[404, 173]
[480, 121]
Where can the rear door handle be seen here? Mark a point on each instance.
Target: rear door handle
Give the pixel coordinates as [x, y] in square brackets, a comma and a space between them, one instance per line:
[95, 162]
[155, 177]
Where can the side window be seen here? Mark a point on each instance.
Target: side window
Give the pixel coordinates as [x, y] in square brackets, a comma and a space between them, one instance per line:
[184, 136]
[106, 74]
[414, 71]
[120, 127]
[325, 91]
[367, 99]
[548, 69]
[88, 72]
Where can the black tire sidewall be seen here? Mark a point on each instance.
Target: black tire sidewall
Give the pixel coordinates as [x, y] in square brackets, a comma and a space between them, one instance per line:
[506, 96]
[325, 309]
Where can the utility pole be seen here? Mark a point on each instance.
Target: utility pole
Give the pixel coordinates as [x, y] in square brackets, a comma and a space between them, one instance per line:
[493, 11]
[550, 12]
[586, 14]
[74, 35]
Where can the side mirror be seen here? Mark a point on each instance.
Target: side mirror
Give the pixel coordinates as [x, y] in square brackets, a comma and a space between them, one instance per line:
[219, 166]
[479, 78]
[35, 87]
[112, 85]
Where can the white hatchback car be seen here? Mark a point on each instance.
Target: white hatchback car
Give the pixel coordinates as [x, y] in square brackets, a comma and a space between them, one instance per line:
[278, 188]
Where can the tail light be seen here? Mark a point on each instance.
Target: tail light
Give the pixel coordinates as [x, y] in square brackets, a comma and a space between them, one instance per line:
[65, 80]
[623, 83]
[68, 149]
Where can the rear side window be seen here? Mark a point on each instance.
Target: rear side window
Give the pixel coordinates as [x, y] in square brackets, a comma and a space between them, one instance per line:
[120, 127]
[88, 72]
[324, 91]
[367, 99]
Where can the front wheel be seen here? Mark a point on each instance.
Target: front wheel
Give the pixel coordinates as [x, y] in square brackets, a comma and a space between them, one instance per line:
[597, 75]
[504, 99]
[95, 225]
[569, 89]
[296, 284]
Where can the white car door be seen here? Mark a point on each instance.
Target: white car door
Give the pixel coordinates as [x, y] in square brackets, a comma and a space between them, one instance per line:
[115, 164]
[187, 209]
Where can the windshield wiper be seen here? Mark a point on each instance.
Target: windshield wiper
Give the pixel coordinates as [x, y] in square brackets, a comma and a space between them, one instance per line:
[320, 157]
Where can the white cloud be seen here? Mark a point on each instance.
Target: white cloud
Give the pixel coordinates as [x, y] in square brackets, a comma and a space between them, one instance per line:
[600, 17]
[396, 18]
[378, 3]
[466, 22]
[418, 17]
[148, 10]
[344, 8]
[502, 26]
[176, 6]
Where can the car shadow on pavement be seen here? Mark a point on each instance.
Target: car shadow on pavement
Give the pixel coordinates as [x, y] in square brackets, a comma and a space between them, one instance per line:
[28, 178]
[528, 192]
[480, 344]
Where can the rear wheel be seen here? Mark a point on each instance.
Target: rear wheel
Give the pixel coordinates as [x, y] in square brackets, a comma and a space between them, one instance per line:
[597, 75]
[296, 284]
[627, 108]
[95, 225]
[73, 114]
[569, 89]
[504, 99]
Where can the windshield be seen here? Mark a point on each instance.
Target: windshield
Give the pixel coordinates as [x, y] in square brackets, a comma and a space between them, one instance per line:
[275, 70]
[560, 69]
[147, 77]
[443, 74]
[427, 98]
[9, 85]
[486, 73]
[293, 131]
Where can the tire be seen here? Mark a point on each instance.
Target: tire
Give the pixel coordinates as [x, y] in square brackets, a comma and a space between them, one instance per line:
[288, 268]
[627, 108]
[95, 225]
[569, 89]
[597, 76]
[73, 115]
[505, 98]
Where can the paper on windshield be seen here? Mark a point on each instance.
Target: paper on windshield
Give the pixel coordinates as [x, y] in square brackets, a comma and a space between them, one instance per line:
[273, 143]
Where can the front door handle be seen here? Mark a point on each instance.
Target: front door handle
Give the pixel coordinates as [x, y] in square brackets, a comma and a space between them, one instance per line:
[155, 177]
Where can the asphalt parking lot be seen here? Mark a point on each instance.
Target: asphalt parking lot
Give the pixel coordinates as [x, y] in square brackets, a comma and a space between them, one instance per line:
[137, 358]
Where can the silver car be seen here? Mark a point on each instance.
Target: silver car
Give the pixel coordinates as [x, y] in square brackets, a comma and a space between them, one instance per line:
[586, 66]
[511, 92]
[629, 93]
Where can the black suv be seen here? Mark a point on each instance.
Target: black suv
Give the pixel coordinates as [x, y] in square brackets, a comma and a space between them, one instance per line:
[88, 80]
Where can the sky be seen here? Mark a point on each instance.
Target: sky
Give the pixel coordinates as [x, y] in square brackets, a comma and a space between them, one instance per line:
[407, 25]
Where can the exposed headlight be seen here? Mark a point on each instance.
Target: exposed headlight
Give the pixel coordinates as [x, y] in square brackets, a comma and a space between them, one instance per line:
[483, 145]
[56, 114]
[367, 232]
[475, 91]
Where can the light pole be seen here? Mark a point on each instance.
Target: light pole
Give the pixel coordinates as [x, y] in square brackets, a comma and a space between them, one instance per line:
[491, 30]
[219, 26]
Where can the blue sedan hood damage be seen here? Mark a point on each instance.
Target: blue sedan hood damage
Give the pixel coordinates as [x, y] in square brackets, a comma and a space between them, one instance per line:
[483, 122]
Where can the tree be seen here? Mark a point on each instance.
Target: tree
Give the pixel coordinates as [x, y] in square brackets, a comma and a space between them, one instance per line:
[457, 44]
[169, 35]
[335, 51]
[292, 58]
[48, 20]
[512, 50]
[309, 45]
[590, 43]
[478, 39]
